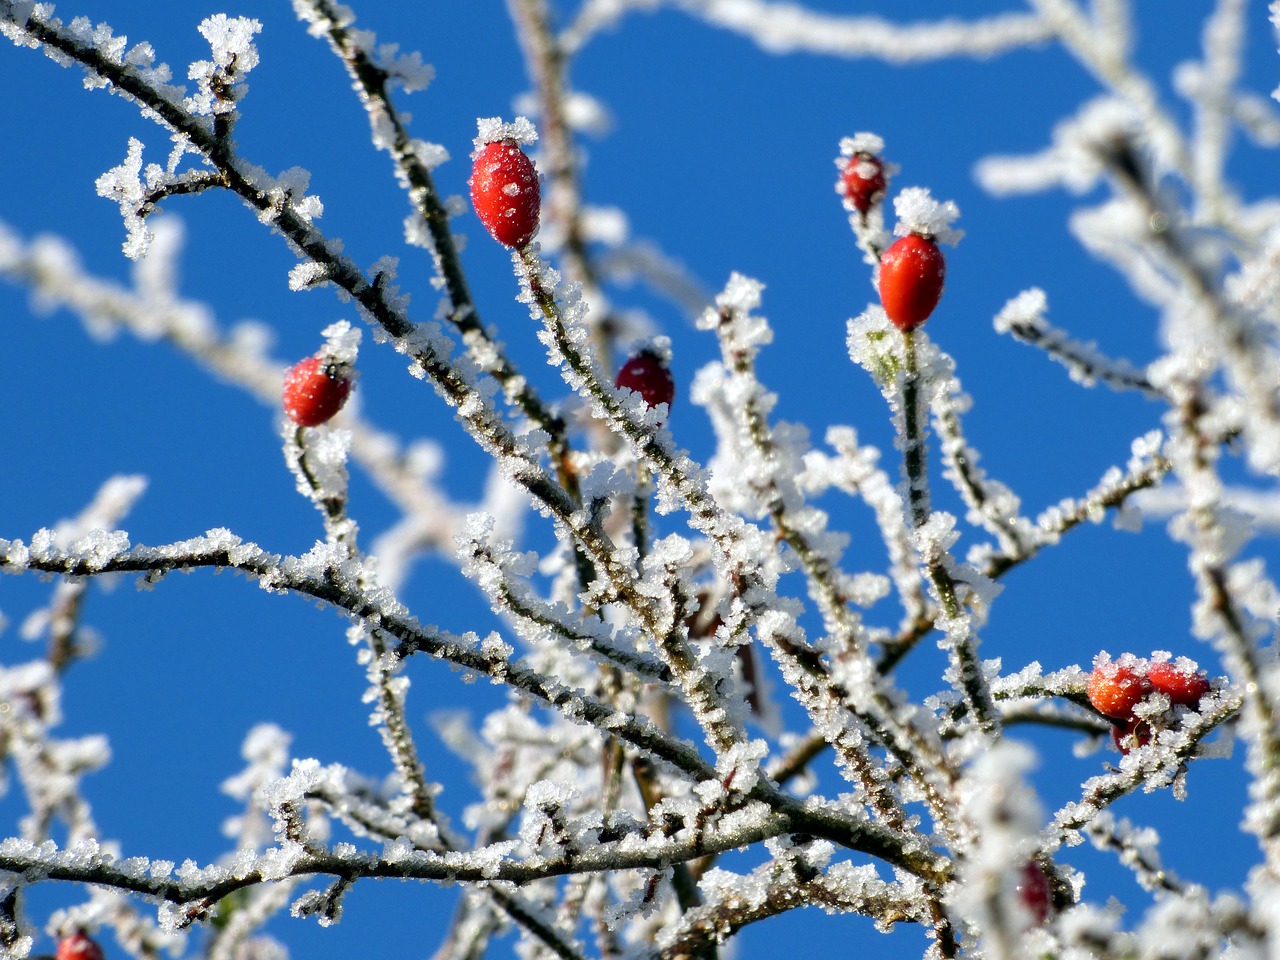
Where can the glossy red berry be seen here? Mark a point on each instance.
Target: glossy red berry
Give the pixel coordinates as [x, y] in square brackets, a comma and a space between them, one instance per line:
[1181, 686]
[1035, 891]
[862, 181]
[314, 390]
[647, 375]
[912, 272]
[1116, 687]
[79, 946]
[505, 193]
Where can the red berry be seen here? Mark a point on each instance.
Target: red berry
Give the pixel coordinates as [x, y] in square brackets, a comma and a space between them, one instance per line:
[1184, 687]
[1035, 891]
[1130, 734]
[862, 181]
[912, 272]
[505, 193]
[1115, 688]
[314, 390]
[79, 946]
[647, 375]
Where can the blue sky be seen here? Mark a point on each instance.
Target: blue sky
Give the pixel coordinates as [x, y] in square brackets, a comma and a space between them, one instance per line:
[720, 153]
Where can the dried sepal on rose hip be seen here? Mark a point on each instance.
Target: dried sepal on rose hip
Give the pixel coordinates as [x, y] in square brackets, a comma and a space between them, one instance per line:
[78, 945]
[646, 372]
[315, 389]
[504, 183]
[913, 270]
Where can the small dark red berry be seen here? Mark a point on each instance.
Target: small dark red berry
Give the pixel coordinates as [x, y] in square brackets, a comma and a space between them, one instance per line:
[862, 181]
[1035, 891]
[647, 375]
[1130, 734]
[1116, 687]
[1184, 687]
[314, 390]
[79, 946]
[505, 192]
[912, 272]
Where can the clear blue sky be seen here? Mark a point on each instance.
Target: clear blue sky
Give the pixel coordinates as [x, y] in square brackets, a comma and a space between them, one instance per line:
[720, 153]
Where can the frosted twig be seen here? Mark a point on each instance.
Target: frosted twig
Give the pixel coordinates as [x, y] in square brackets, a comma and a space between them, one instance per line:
[547, 65]
[764, 477]
[782, 884]
[704, 690]
[413, 159]
[962, 643]
[790, 28]
[1023, 317]
[332, 585]
[1150, 766]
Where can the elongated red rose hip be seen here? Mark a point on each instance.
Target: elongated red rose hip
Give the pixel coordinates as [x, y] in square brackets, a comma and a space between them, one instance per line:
[314, 390]
[505, 192]
[912, 272]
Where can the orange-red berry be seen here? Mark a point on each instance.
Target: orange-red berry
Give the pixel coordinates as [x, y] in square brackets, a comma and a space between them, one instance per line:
[1115, 688]
[505, 192]
[314, 390]
[1184, 687]
[862, 181]
[79, 946]
[647, 375]
[912, 272]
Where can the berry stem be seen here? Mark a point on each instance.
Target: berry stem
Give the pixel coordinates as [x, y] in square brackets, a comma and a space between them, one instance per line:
[963, 643]
[913, 444]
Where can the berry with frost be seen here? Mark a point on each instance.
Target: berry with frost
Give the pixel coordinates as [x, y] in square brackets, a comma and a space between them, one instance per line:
[1184, 687]
[647, 375]
[505, 192]
[79, 946]
[1116, 687]
[1130, 734]
[315, 389]
[1035, 891]
[912, 272]
[862, 181]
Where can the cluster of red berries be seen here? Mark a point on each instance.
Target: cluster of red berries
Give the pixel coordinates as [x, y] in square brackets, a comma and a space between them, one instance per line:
[315, 389]
[913, 269]
[79, 946]
[1117, 687]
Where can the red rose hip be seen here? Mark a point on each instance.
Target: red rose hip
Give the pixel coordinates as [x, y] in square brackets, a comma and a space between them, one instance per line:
[1115, 688]
[912, 272]
[1183, 687]
[862, 181]
[505, 192]
[1130, 734]
[1034, 891]
[79, 946]
[647, 375]
[314, 390]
